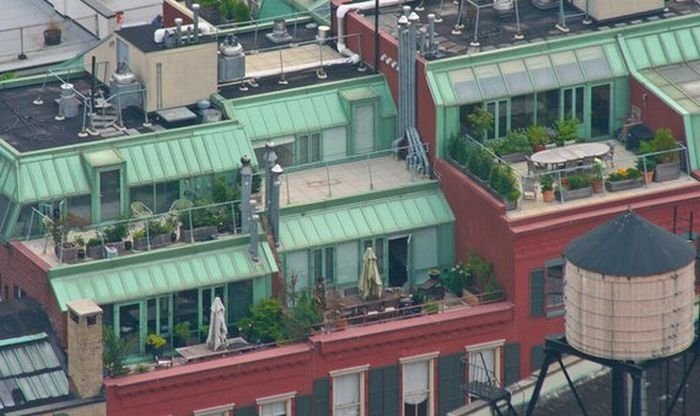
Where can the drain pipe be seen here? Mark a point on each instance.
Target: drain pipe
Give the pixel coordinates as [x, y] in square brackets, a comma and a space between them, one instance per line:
[246, 190]
[253, 249]
[274, 212]
[345, 8]
[195, 21]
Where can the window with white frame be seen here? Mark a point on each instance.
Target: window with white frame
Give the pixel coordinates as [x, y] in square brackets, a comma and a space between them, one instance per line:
[349, 391]
[417, 374]
[483, 368]
[279, 405]
[224, 410]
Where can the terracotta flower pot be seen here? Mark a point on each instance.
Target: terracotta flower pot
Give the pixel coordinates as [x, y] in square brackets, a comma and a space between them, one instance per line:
[597, 186]
[548, 196]
[648, 177]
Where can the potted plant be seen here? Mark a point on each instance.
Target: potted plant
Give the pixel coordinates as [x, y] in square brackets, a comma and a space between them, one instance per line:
[52, 34]
[198, 224]
[646, 166]
[539, 137]
[547, 187]
[115, 234]
[504, 182]
[513, 148]
[158, 234]
[182, 333]
[79, 242]
[566, 130]
[577, 186]
[431, 308]
[480, 122]
[458, 279]
[155, 344]
[94, 248]
[64, 248]
[623, 179]
[203, 333]
[668, 165]
[597, 179]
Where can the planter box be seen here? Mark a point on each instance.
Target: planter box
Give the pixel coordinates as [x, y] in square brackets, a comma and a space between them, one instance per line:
[514, 157]
[96, 253]
[199, 233]
[570, 195]
[667, 171]
[157, 241]
[616, 186]
[510, 205]
[70, 254]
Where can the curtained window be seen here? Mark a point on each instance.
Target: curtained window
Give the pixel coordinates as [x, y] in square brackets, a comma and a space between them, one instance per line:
[346, 395]
[278, 405]
[417, 388]
[274, 409]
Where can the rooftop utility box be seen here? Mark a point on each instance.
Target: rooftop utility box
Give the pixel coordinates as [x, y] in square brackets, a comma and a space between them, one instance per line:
[602, 10]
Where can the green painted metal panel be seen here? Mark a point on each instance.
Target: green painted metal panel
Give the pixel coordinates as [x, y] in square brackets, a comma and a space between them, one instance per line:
[172, 273]
[321, 393]
[247, 410]
[537, 293]
[638, 52]
[536, 357]
[362, 219]
[670, 45]
[655, 51]
[303, 406]
[615, 59]
[511, 359]
[450, 381]
[390, 399]
[687, 45]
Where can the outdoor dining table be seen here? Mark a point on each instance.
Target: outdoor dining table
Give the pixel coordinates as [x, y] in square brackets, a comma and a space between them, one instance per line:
[561, 155]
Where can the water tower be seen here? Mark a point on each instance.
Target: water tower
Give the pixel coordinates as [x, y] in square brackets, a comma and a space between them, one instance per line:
[629, 297]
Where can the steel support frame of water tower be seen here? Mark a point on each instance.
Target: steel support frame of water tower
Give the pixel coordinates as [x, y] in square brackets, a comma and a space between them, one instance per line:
[556, 346]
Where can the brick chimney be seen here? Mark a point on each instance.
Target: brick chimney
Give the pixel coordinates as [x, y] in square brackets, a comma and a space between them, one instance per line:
[85, 347]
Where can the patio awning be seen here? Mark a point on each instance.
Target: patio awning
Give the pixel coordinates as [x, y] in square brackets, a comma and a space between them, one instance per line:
[347, 222]
[176, 269]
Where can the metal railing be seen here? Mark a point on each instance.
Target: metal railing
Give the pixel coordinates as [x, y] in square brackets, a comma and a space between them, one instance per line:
[190, 225]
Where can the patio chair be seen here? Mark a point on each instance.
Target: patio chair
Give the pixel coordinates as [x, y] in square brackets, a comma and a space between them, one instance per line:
[180, 205]
[610, 156]
[529, 188]
[140, 210]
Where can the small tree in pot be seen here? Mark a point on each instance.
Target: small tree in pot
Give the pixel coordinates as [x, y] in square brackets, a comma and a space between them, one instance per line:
[547, 188]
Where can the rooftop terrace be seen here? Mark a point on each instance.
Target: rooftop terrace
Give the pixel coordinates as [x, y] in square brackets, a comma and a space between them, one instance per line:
[496, 32]
[22, 23]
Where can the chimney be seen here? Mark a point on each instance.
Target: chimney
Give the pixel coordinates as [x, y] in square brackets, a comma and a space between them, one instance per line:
[178, 31]
[274, 213]
[85, 347]
[254, 218]
[246, 190]
[195, 21]
[270, 160]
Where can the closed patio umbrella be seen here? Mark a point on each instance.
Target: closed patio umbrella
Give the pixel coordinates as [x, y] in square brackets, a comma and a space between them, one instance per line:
[370, 284]
[217, 339]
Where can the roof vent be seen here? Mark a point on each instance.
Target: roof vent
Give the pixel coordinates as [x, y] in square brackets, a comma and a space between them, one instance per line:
[279, 32]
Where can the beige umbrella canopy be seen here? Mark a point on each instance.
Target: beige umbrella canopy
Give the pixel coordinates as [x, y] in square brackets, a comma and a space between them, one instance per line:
[370, 284]
[217, 338]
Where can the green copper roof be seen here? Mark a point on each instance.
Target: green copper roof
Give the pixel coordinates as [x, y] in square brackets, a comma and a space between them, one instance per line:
[274, 8]
[664, 48]
[306, 110]
[160, 272]
[361, 219]
[167, 155]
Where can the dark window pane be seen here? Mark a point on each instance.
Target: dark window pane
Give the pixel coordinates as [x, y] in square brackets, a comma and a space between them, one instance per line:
[502, 118]
[568, 103]
[303, 149]
[330, 264]
[151, 316]
[240, 299]
[491, 108]
[164, 306]
[186, 308]
[522, 111]
[548, 107]
[79, 207]
[579, 104]
[379, 252]
[315, 147]
[142, 194]
[464, 112]
[318, 264]
[166, 194]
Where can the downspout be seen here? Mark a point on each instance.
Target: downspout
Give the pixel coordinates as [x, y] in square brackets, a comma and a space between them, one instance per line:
[345, 8]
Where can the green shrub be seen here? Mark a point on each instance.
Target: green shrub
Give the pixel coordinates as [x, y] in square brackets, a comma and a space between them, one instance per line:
[301, 318]
[480, 161]
[116, 232]
[481, 123]
[458, 279]
[114, 352]
[241, 13]
[538, 135]
[547, 182]
[481, 269]
[227, 9]
[182, 332]
[457, 149]
[664, 141]
[504, 182]
[515, 142]
[266, 323]
[431, 308]
[566, 130]
[578, 182]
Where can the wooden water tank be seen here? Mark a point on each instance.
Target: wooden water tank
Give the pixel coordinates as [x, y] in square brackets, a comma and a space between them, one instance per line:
[630, 291]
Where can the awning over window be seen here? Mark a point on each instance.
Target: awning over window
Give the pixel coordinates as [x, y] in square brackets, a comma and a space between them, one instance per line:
[529, 74]
[160, 272]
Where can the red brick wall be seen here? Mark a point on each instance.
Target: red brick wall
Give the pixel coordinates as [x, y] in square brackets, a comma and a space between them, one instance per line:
[655, 113]
[170, 13]
[243, 379]
[21, 268]
[480, 224]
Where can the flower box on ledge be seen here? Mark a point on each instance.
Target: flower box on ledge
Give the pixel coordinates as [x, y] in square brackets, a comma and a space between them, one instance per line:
[571, 194]
[615, 186]
[667, 171]
[198, 233]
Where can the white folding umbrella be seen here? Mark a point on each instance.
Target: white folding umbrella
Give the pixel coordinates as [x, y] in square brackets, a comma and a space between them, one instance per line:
[218, 333]
[370, 284]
